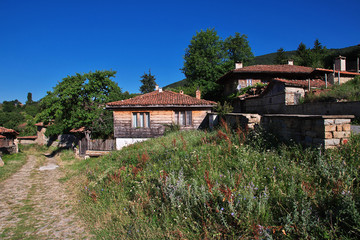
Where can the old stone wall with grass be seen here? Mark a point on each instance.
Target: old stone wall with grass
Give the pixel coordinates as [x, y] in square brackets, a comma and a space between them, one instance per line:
[310, 130]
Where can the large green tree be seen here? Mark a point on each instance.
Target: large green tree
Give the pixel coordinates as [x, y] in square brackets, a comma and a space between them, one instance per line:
[314, 57]
[78, 101]
[208, 57]
[238, 49]
[148, 82]
[205, 60]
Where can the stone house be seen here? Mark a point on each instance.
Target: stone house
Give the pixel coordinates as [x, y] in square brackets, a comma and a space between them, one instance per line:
[8, 142]
[146, 116]
[241, 77]
[278, 94]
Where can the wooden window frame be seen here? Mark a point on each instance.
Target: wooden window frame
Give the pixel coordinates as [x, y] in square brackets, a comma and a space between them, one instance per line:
[178, 114]
[136, 119]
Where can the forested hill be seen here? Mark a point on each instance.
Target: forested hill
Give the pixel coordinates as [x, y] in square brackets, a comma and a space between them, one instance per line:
[269, 58]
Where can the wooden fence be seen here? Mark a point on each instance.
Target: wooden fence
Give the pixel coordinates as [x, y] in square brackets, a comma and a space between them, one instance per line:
[101, 144]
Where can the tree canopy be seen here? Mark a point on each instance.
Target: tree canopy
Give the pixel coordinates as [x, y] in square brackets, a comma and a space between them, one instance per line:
[314, 57]
[281, 57]
[148, 83]
[79, 101]
[208, 57]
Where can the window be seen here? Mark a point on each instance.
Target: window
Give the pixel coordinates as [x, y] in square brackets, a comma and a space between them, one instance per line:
[140, 119]
[183, 118]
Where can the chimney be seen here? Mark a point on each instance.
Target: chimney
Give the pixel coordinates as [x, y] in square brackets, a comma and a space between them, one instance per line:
[198, 94]
[340, 63]
[181, 92]
[290, 62]
[238, 65]
[156, 87]
[160, 89]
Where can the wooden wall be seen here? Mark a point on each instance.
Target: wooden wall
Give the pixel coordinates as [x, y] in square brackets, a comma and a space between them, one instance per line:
[158, 121]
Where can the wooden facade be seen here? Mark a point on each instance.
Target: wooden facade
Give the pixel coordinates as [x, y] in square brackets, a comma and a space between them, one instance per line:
[148, 115]
[159, 119]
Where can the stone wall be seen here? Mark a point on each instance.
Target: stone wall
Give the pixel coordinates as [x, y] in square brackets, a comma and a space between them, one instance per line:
[325, 108]
[310, 130]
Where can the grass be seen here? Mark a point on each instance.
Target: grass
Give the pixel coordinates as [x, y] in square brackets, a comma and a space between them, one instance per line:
[12, 163]
[349, 91]
[221, 185]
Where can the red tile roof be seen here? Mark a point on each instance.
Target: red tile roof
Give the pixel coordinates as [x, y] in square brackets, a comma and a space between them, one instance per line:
[78, 130]
[161, 98]
[2, 137]
[6, 130]
[317, 83]
[341, 72]
[27, 138]
[275, 69]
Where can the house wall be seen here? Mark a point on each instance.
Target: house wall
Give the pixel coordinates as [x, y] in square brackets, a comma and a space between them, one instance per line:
[334, 79]
[293, 95]
[158, 121]
[273, 101]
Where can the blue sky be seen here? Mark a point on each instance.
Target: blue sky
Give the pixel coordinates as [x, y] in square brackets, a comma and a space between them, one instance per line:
[41, 42]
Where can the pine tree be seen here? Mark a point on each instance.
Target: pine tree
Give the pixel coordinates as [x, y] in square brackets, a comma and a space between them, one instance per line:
[148, 82]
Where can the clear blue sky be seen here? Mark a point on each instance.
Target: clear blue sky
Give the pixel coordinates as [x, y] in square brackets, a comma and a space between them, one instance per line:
[41, 42]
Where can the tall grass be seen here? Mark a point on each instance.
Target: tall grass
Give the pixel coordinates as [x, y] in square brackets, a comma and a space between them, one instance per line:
[222, 185]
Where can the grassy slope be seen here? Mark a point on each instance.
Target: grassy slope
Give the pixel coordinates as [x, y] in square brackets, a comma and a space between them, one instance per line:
[192, 185]
[349, 91]
[13, 162]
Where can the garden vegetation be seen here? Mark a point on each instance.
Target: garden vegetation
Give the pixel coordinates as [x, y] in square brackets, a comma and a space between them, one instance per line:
[224, 184]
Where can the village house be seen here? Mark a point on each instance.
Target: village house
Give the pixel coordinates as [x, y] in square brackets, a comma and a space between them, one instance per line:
[241, 77]
[8, 140]
[278, 94]
[146, 116]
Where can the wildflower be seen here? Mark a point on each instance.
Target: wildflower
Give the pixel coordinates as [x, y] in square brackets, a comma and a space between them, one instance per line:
[102, 189]
[232, 214]
[222, 209]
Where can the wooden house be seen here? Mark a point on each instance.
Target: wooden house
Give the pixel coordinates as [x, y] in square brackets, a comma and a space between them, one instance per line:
[7, 140]
[146, 116]
[241, 77]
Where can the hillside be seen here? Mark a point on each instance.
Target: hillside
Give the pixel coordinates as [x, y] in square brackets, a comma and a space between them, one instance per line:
[221, 185]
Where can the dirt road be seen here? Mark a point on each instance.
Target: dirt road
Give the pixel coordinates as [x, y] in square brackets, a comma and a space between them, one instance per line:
[35, 205]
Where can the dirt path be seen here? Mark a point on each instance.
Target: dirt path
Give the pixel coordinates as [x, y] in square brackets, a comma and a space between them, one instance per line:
[34, 204]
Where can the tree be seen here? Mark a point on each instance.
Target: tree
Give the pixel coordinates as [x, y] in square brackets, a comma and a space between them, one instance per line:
[302, 56]
[207, 58]
[78, 101]
[148, 83]
[238, 49]
[280, 57]
[29, 98]
[205, 61]
[314, 57]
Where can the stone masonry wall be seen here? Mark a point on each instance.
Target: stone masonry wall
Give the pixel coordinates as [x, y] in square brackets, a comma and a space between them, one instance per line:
[310, 130]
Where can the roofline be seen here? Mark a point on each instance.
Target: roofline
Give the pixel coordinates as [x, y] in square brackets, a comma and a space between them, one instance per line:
[341, 72]
[111, 107]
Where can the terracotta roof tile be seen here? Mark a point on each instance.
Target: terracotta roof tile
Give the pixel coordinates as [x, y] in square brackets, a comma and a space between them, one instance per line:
[341, 72]
[78, 130]
[161, 98]
[2, 137]
[6, 130]
[275, 69]
[317, 83]
[27, 137]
